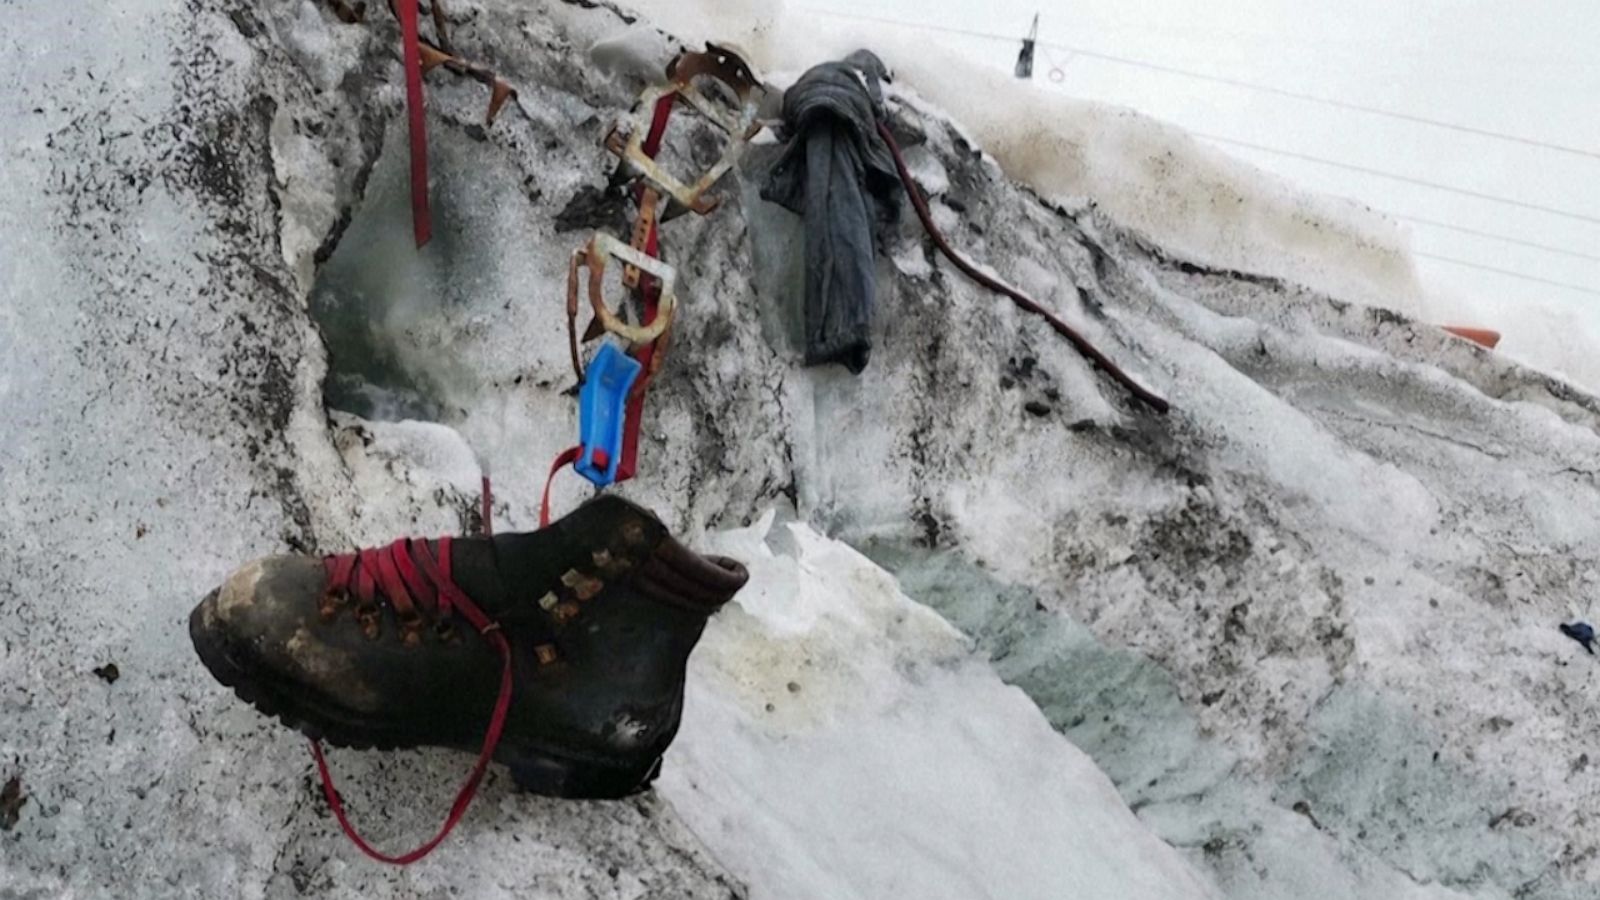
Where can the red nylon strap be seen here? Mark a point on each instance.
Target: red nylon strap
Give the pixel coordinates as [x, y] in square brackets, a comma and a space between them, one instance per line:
[658, 126]
[421, 221]
[488, 508]
[566, 458]
[450, 597]
[651, 292]
[634, 415]
[1079, 342]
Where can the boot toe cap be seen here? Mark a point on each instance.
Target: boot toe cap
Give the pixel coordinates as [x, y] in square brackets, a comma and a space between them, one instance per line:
[262, 625]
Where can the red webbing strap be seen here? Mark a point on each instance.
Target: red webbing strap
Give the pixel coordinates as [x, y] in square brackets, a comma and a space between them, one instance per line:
[488, 508]
[450, 598]
[658, 126]
[650, 291]
[567, 458]
[1087, 350]
[421, 221]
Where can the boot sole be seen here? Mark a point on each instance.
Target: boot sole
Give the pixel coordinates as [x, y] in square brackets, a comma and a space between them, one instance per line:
[534, 769]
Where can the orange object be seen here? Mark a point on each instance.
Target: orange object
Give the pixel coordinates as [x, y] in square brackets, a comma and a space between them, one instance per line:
[1481, 336]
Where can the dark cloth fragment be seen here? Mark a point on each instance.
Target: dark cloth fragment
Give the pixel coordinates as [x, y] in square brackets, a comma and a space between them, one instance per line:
[837, 174]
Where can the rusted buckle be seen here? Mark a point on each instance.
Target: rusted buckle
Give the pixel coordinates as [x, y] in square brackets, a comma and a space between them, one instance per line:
[721, 64]
[643, 224]
[593, 257]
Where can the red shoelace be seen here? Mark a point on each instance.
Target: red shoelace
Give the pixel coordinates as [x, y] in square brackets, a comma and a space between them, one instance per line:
[409, 576]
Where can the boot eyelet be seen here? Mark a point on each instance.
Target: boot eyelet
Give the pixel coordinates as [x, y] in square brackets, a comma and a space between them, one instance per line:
[633, 532]
[369, 617]
[329, 605]
[611, 565]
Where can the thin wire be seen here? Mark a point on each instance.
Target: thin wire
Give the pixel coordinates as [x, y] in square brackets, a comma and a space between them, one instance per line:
[1057, 72]
[1582, 217]
[1421, 182]
[1232, 82]
[1498, 271]
[1336, 104]
[1499, 237]
[883, 20]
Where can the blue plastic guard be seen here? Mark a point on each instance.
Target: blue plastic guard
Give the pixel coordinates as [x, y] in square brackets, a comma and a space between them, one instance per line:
[602, 404]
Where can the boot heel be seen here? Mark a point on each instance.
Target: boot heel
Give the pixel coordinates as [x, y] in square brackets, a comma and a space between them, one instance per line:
[556, 776]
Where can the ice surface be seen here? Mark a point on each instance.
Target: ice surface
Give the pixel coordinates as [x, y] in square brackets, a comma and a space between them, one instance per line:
[637, 54]
[955, 785]
[1122, 709]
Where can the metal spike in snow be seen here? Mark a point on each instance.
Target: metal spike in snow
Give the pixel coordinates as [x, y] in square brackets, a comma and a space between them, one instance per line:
[627, 139]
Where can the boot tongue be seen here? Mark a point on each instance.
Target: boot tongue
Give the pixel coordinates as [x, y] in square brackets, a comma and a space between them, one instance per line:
[675, 574]
[607, 539]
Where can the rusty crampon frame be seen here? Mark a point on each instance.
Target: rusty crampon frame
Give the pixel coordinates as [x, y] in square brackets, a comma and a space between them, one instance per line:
[660, 195]
[593, 256]
[722, 64]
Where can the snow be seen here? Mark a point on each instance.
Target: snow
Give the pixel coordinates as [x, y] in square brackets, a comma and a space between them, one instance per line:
[1544, 331]
[637, 53]
[1194, 201]
[824, 681]
[1304, 625]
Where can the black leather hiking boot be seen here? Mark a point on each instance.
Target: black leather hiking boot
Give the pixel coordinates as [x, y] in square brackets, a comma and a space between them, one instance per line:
[599, 611]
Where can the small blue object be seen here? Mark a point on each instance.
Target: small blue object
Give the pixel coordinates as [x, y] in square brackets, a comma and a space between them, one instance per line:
[602, 410]
[1582, 632]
